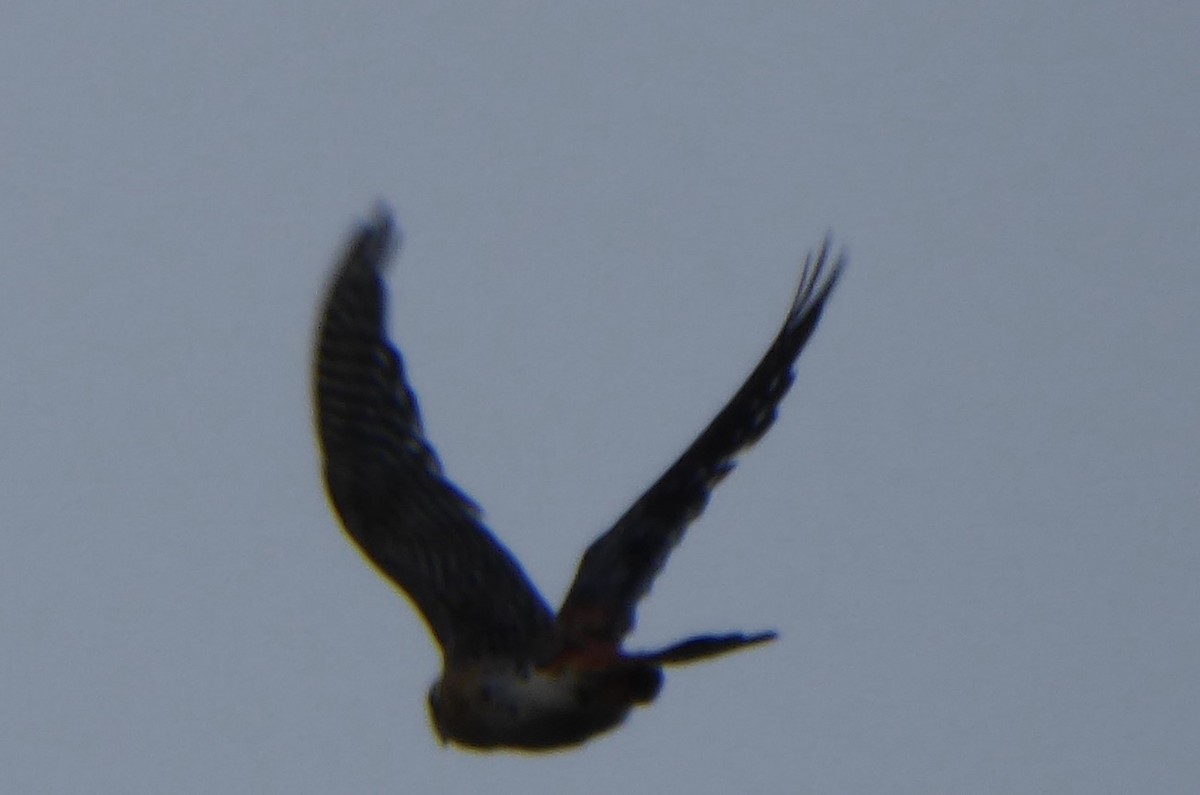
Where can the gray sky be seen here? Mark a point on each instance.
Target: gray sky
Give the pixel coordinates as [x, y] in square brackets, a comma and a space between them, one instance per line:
[975, 525]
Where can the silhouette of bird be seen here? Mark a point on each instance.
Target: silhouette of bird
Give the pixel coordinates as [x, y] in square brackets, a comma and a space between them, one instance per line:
[515, 674]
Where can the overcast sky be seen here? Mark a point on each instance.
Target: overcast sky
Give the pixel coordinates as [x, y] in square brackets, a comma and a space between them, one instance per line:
[974, 526]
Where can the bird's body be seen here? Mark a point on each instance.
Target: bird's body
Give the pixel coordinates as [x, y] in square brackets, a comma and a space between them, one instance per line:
[515, 674]
[493, 703]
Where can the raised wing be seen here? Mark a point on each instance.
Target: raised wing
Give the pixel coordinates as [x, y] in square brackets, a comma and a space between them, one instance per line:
[619, 567]
[387, 485]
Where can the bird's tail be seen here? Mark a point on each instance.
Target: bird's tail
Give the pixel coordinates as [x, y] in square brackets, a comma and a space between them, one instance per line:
[702, 647]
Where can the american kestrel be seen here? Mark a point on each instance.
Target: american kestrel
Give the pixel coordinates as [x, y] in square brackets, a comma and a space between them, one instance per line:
[515, 675]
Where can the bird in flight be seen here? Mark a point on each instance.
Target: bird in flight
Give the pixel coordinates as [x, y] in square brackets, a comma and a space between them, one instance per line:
[516, 675]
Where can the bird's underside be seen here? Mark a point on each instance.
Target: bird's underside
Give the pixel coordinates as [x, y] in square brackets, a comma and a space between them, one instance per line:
[515, 674]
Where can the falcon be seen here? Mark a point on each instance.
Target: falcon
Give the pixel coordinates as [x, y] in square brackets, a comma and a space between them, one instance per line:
[515, 674]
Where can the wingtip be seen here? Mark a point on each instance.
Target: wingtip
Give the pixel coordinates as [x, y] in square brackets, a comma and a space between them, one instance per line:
[382, 217]
[818, 277]
[382, 224]
[375, 239]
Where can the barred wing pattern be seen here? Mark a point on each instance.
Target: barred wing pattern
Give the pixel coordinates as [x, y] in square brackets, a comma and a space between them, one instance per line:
[386, 482]
[619, 567]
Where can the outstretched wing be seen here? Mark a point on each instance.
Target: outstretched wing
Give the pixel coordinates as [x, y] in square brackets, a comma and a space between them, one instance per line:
[619, 567]
[387, 485]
